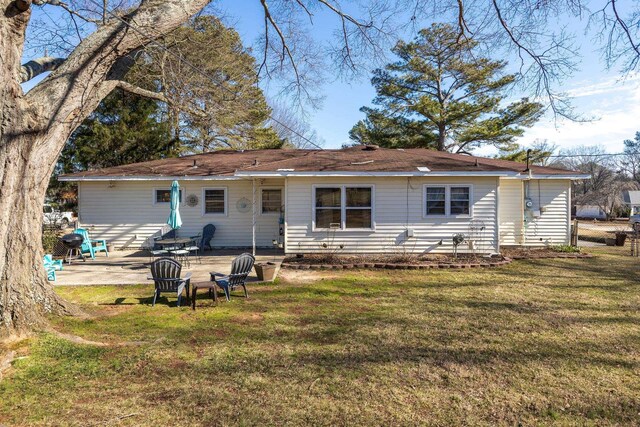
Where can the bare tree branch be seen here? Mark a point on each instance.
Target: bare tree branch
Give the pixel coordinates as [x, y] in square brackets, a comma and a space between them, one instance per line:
[38, 66]
[137, 90]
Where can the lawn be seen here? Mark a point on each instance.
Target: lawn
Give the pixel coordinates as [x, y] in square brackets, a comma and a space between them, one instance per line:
[536, 342]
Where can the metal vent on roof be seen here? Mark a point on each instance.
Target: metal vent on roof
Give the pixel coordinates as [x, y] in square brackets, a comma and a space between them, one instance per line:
[366, 162]
[424, 169]
[286, 170]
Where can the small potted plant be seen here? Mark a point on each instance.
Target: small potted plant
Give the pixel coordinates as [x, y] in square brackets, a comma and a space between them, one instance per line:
[621, 236]
[266, 271]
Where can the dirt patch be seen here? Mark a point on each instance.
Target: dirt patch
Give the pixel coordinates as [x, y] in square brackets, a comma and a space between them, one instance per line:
[304, 276]
[533, 253]
[249, 318]
[5, 362]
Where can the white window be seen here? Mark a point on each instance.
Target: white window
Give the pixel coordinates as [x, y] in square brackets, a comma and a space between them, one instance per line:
[163, 195]
[343, 207]
[447, 200]
[214, 201]
[271, 200]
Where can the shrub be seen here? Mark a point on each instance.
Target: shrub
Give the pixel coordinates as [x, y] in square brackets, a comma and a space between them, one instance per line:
[566, 249]
[49, 239]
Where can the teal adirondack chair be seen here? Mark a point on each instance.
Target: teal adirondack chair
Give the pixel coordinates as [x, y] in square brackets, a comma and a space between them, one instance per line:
[91, 246]
[56, 263]
[51, 266]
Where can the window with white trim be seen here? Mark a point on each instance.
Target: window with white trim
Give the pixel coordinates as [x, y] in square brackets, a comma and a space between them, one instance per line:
[163, 195]
[447, 200]
[271, 200]
[214, 201]
[343, 207]
[460, 200]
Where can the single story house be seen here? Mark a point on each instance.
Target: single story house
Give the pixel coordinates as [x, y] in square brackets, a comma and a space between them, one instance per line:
[361, 199]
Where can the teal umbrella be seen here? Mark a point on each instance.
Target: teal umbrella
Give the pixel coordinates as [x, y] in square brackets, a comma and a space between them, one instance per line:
[174, 219]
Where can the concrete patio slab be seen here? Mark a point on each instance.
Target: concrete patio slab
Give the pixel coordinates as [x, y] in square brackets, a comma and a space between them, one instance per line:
[132, 267]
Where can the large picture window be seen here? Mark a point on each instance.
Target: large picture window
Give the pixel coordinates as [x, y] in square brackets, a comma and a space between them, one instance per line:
[343, 207]
[447, 200]
[214, 201]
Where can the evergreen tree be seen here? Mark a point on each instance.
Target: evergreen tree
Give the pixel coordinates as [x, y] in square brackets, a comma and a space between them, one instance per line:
[125, 128]
[441, 94]
[218, 104]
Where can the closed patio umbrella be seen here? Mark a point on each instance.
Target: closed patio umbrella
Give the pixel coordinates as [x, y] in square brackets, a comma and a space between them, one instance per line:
[174, 219]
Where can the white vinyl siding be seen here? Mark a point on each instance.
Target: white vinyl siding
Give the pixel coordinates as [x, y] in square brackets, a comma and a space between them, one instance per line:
[126, 215]
[511, 212]
[550, 197]
[398, 205]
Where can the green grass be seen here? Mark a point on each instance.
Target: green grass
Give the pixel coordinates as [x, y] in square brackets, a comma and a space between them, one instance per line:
[537, 343]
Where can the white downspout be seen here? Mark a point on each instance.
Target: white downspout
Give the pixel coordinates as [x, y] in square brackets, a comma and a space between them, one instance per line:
[253, 222]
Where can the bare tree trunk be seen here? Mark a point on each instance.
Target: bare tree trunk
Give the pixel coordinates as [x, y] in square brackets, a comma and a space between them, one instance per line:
[33, 130]
[442, 137]
[25, 294]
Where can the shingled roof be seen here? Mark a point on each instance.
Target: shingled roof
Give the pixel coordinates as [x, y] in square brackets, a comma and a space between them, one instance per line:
[228, 163]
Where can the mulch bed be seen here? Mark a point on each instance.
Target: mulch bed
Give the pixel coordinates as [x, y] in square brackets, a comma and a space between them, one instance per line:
[424, 262]
[542, 253]
[391, 263]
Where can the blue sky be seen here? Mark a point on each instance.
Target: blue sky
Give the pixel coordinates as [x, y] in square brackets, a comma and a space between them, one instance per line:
[611, 99]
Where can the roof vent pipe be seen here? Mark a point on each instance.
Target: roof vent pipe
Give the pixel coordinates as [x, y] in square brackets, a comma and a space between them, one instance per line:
[371, 147]
[528, 159]
[255, 162]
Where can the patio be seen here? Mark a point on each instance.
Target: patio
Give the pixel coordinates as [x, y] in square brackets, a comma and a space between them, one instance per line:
[132, 267]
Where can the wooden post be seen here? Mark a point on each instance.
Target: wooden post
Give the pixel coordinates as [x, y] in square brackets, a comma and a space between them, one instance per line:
[574, 233]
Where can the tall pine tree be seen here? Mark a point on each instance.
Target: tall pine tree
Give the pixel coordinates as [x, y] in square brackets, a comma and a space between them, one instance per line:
[441, 94]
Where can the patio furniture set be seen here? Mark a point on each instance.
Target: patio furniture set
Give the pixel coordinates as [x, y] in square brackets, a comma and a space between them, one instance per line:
[78, 242]
[182, 248]
[166, 274]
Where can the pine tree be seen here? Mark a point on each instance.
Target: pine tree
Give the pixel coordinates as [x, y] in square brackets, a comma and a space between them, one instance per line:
[441, 94]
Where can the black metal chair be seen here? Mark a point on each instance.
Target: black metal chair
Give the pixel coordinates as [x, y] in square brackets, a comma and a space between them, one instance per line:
[165, 273]
[208, 232]
[240, 269]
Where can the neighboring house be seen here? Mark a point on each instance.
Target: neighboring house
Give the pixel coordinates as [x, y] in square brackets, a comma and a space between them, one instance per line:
[360, 199]
[590, 212]
[632, 199]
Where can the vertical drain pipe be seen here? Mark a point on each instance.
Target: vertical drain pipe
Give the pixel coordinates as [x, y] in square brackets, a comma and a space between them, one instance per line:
[253, 214]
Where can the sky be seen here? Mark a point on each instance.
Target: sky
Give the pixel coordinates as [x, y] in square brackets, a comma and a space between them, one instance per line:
[611, 101]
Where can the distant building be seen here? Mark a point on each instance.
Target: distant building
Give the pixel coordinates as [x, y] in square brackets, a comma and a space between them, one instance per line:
[590, 212]
[632, 198]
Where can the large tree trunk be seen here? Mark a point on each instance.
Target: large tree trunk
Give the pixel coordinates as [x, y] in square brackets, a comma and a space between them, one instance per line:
[25, 294]
[33, 130]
